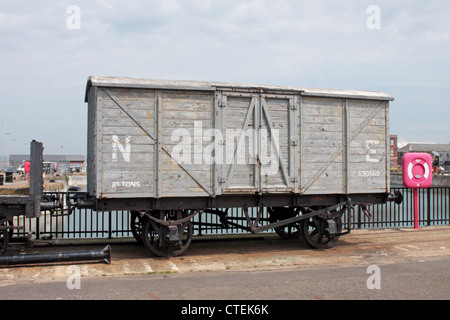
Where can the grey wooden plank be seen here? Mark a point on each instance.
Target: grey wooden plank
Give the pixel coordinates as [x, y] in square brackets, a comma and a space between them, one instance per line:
[353, 133]
[279, 154]
[249, 105]
[187, 108]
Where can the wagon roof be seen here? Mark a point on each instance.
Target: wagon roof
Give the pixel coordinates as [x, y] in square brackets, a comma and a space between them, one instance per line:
[124, 82]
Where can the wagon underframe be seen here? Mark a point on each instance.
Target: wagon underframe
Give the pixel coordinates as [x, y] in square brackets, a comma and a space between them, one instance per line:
[166, 229]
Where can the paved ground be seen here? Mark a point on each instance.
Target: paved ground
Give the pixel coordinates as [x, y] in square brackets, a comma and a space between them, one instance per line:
[260, 252]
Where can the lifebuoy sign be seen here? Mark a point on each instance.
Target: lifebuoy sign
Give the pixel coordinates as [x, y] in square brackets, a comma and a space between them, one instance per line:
[417, 173]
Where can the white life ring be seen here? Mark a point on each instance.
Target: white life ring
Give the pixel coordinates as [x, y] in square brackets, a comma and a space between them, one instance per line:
[425, 166]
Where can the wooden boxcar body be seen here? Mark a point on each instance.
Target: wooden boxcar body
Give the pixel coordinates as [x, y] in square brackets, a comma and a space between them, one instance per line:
[167, 146]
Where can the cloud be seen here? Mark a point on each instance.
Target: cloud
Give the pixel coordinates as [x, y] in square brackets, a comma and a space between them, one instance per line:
[44, 65]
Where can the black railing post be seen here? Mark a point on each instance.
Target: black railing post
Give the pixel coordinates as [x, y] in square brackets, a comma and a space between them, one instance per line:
[428, 207]
[359, 217]
[109, 225]
[37, 229]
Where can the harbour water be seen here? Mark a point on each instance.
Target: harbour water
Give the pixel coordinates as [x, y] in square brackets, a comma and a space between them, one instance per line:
[434, 209]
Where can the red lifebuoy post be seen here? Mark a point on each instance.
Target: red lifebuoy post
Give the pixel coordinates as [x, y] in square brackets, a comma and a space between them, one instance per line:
[417, 174]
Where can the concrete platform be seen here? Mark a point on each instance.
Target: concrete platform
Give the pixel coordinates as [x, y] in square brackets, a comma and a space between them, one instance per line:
[235, 253]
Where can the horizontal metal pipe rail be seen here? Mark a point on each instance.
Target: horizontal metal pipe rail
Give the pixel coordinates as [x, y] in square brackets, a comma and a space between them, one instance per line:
[49, 257]
[434, 209]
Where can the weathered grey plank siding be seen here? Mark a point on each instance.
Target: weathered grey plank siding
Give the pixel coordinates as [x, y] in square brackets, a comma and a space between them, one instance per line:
[153, 139]
[322, 141]
[121, 137]
[92, 142]
[191, 112]
[368, 169]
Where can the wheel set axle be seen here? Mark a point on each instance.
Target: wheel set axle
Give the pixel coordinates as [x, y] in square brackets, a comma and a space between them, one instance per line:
[168, 233]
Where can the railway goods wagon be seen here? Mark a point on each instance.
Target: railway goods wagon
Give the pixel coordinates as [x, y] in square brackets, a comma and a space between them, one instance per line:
[169, 150]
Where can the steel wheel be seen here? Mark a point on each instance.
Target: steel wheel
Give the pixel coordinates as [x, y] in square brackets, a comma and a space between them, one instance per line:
[315, 232]
[155, 237]
[289, 231]
[3, 241]
[136, 224]
[5, 235]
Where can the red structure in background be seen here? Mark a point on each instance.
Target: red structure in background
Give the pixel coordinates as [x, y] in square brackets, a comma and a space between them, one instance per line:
[417, 174]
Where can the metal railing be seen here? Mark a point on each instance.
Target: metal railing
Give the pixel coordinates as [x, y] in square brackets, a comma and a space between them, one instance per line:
[434, 209]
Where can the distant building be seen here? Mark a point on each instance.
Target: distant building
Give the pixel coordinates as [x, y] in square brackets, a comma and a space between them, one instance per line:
[393, 151]
[65, 162]
[442, 150]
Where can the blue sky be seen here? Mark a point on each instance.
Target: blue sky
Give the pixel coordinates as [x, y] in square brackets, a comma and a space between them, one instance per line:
[45, 61]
